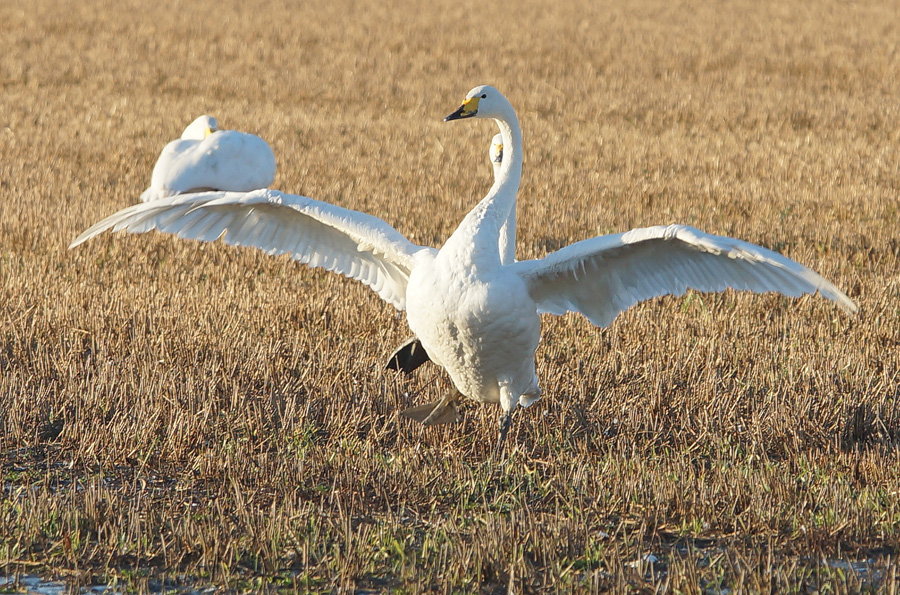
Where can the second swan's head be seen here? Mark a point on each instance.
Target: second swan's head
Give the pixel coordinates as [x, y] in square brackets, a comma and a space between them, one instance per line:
[482, 102]
[200, 128]
[496, 151]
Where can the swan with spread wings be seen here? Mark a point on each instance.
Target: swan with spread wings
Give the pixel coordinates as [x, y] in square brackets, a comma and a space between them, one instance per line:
[474, 310]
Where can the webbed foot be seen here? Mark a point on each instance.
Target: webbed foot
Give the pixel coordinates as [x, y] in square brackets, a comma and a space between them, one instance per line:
[442, 411]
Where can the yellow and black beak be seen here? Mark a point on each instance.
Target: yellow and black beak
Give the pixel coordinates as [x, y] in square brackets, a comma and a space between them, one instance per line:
[468, 109]
[499, 149]
[209, 130]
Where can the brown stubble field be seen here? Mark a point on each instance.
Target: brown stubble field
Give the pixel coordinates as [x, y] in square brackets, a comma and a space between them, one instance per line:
[174, 413]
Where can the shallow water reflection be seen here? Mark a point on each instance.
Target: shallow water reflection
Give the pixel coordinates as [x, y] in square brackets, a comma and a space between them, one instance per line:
[32, 584]
[28, 583]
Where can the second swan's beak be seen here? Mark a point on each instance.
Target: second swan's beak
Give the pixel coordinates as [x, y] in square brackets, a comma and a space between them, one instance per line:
[468, 109]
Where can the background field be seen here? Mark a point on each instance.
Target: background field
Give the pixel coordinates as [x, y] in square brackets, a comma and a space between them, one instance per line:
[181, 414]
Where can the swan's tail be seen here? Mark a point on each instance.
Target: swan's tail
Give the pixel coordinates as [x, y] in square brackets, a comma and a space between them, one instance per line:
[442, 411]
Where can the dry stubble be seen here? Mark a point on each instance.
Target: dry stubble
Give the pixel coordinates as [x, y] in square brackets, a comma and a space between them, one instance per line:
[174, 409]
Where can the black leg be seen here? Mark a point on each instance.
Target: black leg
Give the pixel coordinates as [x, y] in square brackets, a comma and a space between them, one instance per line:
[505, 423]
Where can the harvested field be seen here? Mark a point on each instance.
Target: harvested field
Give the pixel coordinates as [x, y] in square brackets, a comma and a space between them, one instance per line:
[183, 415]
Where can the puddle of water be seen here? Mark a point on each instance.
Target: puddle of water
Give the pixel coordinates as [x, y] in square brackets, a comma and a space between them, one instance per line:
[31, 584]
[864, 570]
[35, 585]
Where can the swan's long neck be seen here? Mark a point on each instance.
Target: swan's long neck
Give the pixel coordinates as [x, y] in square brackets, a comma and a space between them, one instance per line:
[476, 242]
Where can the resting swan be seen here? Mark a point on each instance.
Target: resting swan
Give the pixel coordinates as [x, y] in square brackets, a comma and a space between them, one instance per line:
[410, 354]
[477, 317]
[205, 158]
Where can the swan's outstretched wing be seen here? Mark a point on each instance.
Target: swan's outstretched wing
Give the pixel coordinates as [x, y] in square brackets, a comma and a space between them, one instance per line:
[319, 234]
[604, 276]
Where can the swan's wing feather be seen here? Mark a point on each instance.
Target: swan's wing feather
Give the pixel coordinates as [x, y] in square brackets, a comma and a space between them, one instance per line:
[354, 244]
[604, 276]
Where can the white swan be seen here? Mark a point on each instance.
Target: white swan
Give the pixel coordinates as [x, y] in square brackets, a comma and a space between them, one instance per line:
[508, 229]
[410, 354]
[477, 317]
[495, 153]
[205, 158]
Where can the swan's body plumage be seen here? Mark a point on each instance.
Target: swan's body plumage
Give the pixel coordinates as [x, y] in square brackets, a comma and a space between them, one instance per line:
[508, 229]
[411, 354]
[205, 158]
[475, 309]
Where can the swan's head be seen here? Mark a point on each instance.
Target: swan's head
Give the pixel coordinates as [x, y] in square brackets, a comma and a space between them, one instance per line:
[200, 128]
[496, 152]
[482, 102]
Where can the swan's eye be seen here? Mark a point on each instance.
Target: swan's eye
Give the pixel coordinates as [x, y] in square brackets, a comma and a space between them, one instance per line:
[484, 95]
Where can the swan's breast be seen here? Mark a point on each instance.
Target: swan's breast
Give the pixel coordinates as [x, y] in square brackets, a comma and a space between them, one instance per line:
[480, 329]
